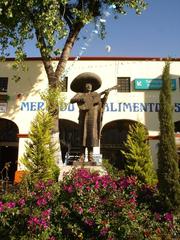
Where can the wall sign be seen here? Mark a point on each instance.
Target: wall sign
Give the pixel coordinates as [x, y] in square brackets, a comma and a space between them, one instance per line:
[109, 107]
[31, 106]
[151, 84]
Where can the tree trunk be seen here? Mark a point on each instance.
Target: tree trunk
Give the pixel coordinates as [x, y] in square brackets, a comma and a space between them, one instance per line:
[55, 138]
[73, 34]
[54, 78]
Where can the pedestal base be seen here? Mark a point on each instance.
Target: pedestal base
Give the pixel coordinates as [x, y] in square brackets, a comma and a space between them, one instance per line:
[65, 169]
[82, 164]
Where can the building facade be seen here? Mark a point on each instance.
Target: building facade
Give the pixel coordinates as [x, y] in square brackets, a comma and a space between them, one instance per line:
[136, 100]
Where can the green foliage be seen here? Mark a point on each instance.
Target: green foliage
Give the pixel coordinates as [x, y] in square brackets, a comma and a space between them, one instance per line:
[53, 99]
[61, 18]
[138, 155]
[168, 171]
[39, 156]
[111, 170]
[85, 205]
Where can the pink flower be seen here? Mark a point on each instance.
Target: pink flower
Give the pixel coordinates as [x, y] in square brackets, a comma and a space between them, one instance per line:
[50, 182]
[41, 201]
[52, 238]
[127, 181]
[89, 222]
[83, 173]
[68, 188]
[44, 224]
[46, 213]
[133, 201]
[40, 185]
[10, 204]
[33, 220]
[33, 194]
[103, 200]
[92, 209]
[168, 217]
[113, 185]
[48, 195]
[88, 188]
[96, 186]
[21, 202]
[78, 185]
[133, 194]
[1, 207]
[80, 210]
[104, 231]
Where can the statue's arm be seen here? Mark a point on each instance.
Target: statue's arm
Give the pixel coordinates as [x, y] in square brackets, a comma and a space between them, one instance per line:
[78, 98]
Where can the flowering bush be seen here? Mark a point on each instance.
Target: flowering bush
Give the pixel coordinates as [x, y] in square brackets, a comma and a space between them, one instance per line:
[85, 205]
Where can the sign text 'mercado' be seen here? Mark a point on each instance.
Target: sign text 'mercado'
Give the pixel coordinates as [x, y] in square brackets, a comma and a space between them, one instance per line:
[109, 107]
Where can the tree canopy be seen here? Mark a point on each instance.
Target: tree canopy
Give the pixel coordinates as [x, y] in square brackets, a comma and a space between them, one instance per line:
[49, 21]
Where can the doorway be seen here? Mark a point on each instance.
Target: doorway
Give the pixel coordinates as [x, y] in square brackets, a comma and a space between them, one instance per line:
[8, 162]
[113, 136]
[8, 149]
[69, 139]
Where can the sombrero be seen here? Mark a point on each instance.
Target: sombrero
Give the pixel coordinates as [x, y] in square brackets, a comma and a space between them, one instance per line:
[78, 83]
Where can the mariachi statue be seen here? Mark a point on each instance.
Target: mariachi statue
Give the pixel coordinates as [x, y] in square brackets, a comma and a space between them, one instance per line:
[91, 107]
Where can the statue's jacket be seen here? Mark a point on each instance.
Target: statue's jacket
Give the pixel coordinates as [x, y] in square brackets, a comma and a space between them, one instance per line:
[91, 107]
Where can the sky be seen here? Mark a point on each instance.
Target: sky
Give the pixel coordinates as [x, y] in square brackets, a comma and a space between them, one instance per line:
[154, 33]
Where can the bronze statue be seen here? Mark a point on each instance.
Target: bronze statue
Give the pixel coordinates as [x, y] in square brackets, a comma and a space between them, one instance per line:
[91, 108]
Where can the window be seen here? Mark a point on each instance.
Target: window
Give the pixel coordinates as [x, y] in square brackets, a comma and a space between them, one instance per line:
[124, 83]
[64, 84]
[3, 84]
[3, 98]
[3, 89]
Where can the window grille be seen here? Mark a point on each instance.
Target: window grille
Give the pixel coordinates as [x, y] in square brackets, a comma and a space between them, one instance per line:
[124, 83]
[3, 84]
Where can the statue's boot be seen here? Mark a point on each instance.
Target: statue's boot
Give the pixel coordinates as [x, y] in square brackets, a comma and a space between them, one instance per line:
[81, 158]
[91, 159]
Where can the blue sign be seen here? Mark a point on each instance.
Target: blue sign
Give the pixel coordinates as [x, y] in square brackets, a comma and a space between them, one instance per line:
[109, 107]
[31, 106]
[151, 84]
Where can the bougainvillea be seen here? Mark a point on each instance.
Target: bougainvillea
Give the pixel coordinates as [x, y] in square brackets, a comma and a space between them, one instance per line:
[86, 205]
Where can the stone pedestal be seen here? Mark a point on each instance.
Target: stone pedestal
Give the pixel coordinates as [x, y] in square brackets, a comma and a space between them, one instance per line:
[83, 164]
[65, 169]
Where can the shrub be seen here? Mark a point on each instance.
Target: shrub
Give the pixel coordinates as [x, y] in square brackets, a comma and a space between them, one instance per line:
[111, 170]
[138, 155]
[168, 170]
[84, 205]
[39, 157]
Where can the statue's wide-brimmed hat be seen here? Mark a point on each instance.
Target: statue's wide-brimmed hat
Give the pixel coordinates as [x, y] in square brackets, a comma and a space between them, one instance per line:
[79, 82]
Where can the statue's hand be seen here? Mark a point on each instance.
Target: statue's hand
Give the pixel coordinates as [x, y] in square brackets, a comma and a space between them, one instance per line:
[106, 92]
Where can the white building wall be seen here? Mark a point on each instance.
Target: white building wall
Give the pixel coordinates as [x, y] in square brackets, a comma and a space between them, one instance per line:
[34, 80]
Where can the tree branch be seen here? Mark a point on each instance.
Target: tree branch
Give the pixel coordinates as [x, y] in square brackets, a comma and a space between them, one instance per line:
[46, 59]
[73, 34]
